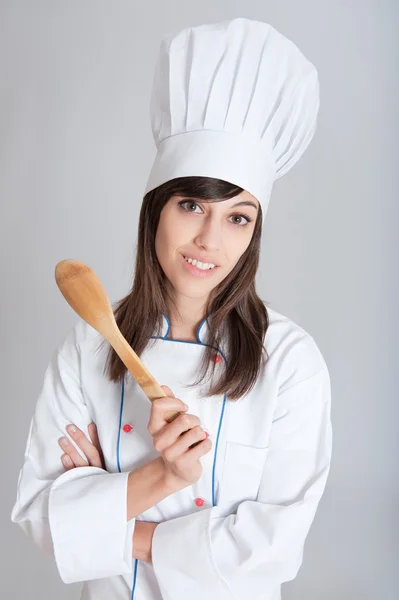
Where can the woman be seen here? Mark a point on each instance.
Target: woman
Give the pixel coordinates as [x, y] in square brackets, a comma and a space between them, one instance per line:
[218, 503]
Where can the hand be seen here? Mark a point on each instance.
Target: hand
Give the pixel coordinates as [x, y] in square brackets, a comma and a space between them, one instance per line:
[174, 440]
[91, 449]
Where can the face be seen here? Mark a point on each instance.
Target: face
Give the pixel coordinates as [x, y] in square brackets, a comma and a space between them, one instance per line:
[213, 234]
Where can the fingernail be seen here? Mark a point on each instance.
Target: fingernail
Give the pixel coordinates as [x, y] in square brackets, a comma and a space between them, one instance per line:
[71, 428]
[185, 406]
[63, 441]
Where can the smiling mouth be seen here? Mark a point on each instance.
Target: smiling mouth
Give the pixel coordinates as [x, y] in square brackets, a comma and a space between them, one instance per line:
[199, 264]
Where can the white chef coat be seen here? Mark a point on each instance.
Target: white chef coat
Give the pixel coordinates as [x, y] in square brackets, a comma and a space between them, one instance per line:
[259, 491]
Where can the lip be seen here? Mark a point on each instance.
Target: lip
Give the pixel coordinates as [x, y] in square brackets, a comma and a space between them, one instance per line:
[198, 272]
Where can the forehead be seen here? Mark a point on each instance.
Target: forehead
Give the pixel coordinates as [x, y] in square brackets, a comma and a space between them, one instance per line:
[245, 198]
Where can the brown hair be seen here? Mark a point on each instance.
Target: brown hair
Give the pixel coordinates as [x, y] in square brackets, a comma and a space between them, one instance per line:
[234, 312]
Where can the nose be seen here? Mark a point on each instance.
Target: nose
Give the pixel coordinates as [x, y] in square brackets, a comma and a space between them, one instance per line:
[209, 236]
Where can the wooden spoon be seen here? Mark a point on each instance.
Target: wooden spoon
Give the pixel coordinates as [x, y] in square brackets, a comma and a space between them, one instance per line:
[85, 293]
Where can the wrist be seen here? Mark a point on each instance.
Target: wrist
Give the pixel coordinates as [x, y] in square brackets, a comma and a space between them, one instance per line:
[142, 540]
[170, 482]
[146, 486]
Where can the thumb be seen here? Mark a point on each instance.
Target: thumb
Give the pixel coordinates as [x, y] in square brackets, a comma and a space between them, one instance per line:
[168, 391]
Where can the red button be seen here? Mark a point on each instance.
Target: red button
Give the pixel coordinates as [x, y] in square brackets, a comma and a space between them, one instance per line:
[199, 502]
[127, 428]
[218, 358]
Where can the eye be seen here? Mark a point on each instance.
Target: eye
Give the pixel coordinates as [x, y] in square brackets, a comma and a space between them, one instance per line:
[188, 205]
[240, 217]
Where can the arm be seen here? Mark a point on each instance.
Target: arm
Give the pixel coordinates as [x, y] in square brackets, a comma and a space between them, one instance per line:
[141, 483]
[146, 487]
[249, 554]
[61, 511]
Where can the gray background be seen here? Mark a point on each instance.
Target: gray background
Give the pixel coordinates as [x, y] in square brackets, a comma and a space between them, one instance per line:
[75, 153]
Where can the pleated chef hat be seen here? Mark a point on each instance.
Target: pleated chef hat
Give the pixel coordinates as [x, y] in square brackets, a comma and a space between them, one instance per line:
[234, 100]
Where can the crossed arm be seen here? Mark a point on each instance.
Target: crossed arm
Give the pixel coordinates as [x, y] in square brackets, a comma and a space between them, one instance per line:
[147, 479]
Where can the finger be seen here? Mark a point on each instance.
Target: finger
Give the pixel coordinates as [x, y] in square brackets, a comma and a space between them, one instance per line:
[182, 445]
[170, 433]
[200, 449]
[85, 445]
[67, 462]
[167, 391]
[171, 415]
[71, 451]
[93, 433]
[159, 410]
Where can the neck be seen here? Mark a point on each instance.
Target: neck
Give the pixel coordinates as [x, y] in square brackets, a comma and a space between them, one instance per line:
[185, 318]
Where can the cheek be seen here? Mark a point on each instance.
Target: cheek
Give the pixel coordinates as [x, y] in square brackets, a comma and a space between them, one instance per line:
[175, 230]
[169, 237]
[236, 245]
[163, 235]
[159, 240]
[161, 244]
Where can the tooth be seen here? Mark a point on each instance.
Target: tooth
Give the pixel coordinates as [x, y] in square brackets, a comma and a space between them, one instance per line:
[199, 264]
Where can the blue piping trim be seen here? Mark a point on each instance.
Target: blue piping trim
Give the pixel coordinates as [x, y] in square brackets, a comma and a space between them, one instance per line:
[198, 343]
[154, 337]
[216, 451]
[135, 577]
[167, 333]
[217, 438]
[199, 329]
[119, 466]
[120, 426]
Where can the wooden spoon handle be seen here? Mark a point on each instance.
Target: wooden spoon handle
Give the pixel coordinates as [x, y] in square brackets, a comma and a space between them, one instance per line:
[139, 371]
[86, 295]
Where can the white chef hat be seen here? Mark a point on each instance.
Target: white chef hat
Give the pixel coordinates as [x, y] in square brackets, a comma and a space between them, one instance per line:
[236, 101]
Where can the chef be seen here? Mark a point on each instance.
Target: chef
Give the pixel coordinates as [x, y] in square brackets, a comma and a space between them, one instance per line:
[218, 503]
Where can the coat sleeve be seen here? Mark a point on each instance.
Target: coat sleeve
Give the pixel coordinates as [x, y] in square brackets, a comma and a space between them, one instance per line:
[249, 554]
[77, 516]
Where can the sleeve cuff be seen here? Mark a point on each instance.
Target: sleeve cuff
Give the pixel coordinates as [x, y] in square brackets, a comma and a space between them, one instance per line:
[87, 514]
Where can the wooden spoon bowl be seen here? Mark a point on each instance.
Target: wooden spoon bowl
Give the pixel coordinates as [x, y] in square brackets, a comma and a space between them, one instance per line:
[85, 293]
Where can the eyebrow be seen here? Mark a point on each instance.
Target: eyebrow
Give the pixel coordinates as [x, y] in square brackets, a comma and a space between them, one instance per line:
[245, 203]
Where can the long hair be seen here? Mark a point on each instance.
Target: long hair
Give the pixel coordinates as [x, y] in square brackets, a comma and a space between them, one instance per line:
[234, 311]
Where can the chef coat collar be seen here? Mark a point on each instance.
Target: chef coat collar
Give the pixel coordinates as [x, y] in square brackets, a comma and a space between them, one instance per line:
[201, 333]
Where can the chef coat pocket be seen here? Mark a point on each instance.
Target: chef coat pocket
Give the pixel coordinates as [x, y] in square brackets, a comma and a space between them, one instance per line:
[242, 473]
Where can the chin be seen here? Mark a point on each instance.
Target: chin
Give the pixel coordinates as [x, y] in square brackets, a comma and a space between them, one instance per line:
[192, 289]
